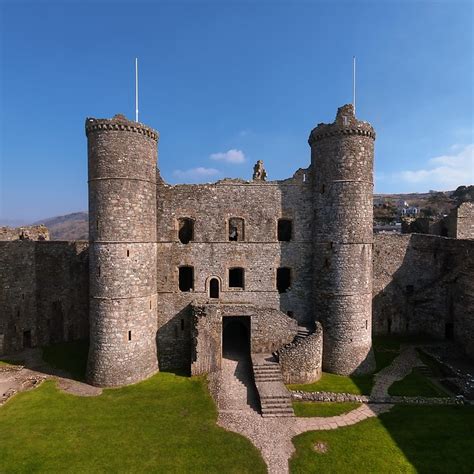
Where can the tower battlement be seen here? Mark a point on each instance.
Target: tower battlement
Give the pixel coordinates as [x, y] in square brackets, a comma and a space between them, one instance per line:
[119, 123]
[345, 123]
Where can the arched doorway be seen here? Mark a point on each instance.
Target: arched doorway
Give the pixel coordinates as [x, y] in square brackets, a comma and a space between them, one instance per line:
[236, 335]
[214, 288]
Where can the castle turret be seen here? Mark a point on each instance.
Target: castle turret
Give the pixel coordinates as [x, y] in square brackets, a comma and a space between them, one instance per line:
[342, 165]
[122, 232]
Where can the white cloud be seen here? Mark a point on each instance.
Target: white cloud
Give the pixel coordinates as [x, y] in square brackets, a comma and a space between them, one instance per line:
[232, 156]
[198, 174]
[444, 172]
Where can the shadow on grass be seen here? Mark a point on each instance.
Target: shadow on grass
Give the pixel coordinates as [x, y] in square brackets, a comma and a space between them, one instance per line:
[69, 357]
[406, 439]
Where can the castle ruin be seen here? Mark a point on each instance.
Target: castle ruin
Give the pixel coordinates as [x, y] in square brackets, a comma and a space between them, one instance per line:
[175, 271]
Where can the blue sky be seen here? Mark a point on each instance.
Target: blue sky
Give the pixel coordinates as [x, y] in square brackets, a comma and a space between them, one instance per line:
[228, 83]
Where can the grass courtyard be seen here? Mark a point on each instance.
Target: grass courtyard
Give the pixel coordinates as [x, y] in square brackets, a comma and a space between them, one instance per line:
[407, 439]
[164, 424]
[168, 424]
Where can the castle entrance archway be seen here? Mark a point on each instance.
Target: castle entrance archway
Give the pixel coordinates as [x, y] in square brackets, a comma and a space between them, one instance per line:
[235, 336]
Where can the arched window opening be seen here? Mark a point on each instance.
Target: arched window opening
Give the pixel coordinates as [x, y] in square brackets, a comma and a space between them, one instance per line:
[214, 288]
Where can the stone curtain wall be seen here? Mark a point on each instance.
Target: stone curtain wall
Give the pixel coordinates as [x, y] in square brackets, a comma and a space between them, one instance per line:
[301, 360]
[33, 232]
[44, 290]
[465, 221]
[424, 284]
[270, 329]
[342, 164]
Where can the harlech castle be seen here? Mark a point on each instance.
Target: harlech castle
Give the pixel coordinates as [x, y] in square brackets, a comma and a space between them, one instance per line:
[173, 273]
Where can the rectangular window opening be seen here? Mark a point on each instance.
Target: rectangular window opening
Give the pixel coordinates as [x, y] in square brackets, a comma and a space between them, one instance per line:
[186, 278]
[285, 230]
[128, 253]
[283, 279]
[236, 229]
[182, 325]
[290, 313]
[236, 278]
[185, 230]
[27, 339]
[129, 335]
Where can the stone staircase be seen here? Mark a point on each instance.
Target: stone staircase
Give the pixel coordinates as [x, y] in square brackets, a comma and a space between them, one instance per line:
[303, 331]
[275, 399]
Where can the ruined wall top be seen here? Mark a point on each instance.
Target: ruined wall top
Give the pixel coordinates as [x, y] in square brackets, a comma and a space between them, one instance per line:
[120, 123]
[32, 232]
[346, 123]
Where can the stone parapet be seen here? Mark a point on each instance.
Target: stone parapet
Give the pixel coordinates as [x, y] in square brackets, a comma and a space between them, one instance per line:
[301, 360]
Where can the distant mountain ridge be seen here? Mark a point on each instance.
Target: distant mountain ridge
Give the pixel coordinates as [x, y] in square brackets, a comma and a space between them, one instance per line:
[73, 226]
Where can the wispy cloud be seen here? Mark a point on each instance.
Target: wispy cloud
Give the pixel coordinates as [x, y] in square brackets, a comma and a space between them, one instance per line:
[194, 175]
[231, 156]
[444, 172]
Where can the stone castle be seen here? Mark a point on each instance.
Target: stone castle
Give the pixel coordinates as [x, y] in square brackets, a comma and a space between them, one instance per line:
[172, 274]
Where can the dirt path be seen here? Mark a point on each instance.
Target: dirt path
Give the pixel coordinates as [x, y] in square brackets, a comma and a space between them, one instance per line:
[31, 371]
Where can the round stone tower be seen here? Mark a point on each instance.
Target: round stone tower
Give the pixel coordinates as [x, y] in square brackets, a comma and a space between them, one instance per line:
[122, 231]
[342, 156]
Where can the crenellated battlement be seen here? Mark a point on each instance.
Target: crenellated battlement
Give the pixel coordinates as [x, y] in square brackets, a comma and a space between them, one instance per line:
[119, 123]
[345, 123]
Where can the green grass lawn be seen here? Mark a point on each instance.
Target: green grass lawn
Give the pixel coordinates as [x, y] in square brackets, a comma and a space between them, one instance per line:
[416, 384]
[164, 424]
[322, 409]
[386, 349]
[361, 385]
[7, 363]
[406, 439]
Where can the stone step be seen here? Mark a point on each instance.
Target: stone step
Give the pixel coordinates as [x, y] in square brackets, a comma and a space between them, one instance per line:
[278, 413]
[270, 397]
[271, 406]
[268, 379]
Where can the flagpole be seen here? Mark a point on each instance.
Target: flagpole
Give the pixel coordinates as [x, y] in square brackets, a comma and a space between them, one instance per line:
[136, 89]
[354, 83]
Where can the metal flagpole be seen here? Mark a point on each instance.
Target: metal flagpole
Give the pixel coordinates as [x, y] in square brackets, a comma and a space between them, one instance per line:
[136, 89]
[354, 83]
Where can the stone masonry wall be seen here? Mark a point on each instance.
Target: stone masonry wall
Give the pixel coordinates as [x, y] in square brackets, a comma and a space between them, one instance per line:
[122, 158]
[465, 221]
[342, 165]
[31, 232]
[424, 284]
[211, 253]
[44, 293]
[301, 360]
[270, 329]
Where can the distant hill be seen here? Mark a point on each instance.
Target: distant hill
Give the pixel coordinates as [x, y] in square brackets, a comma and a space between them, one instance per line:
[73, 226]
[76, 226]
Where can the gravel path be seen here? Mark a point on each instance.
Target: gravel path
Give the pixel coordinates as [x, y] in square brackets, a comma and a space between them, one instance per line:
[400, 367]
[272, 436]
